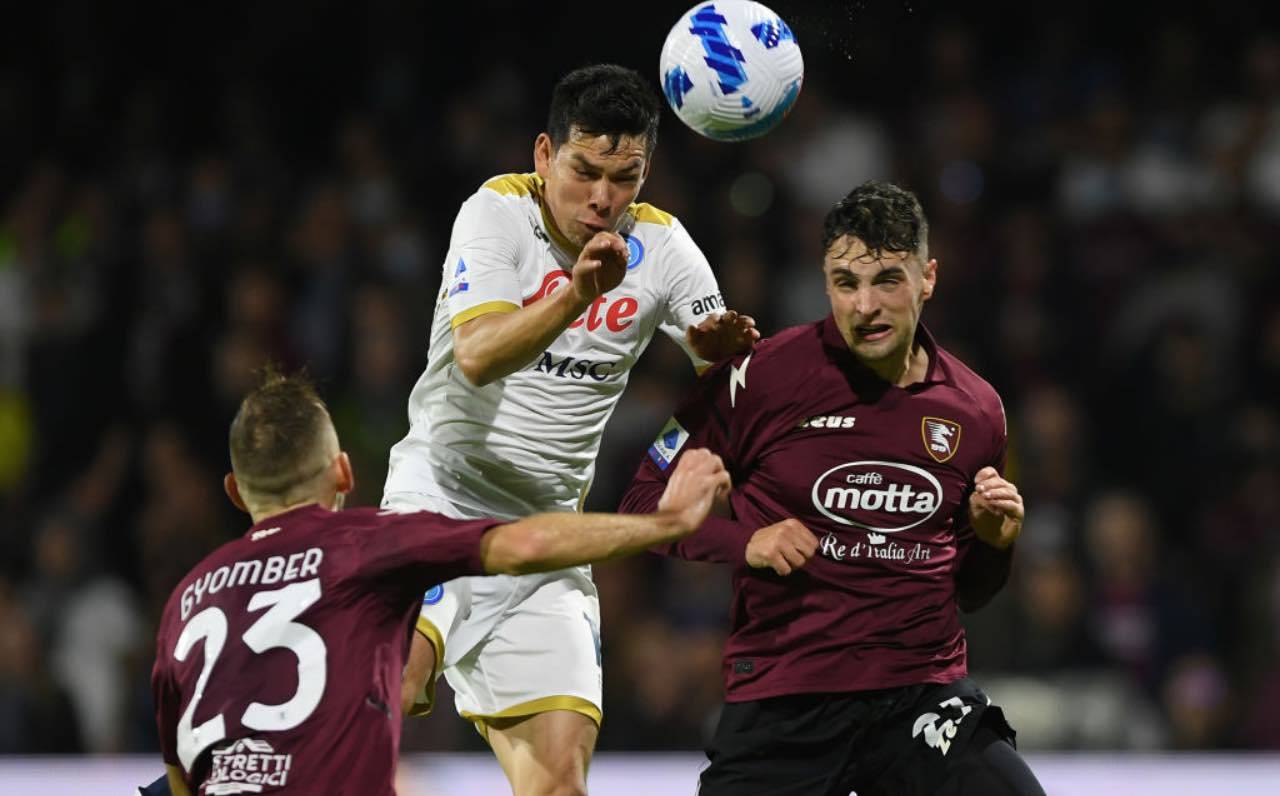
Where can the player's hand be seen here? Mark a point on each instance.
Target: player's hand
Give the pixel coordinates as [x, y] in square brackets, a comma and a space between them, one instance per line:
[995, 509]
[600, 267]
[783, 547]
[722, 335]
[697, 482]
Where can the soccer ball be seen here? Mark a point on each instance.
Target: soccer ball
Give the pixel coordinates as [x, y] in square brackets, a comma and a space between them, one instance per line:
[731, 69]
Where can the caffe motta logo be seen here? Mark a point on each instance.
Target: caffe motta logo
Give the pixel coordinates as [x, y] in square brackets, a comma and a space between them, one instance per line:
[941, 437]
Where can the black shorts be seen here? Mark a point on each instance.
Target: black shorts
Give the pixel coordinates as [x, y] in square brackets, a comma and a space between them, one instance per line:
[897, 741]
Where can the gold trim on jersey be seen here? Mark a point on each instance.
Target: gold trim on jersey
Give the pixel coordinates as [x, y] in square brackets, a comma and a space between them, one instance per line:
[515, 184]
[424, 702]
[648, 214]
[582, 496]
[549, 224]
[532, 708]
[481, 309]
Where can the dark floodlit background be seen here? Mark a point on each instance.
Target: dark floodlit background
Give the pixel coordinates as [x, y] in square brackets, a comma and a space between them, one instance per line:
[186, 192]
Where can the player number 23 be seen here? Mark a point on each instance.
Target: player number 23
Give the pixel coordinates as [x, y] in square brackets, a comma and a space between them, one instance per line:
[275, 628]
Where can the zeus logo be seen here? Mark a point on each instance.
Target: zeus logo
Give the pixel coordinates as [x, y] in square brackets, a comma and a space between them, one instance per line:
[571, 368]
[737, 378]
[829, 421]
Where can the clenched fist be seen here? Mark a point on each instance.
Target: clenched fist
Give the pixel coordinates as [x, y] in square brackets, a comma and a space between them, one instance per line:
[600, 267]
[995, 509]
[783, 547]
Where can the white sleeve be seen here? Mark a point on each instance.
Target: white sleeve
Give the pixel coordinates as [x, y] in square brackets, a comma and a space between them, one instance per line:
[480, 270]
[693, 293]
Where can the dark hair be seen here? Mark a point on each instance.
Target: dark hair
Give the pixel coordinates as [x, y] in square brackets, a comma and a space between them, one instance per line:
[604, 99]
[884, 216]
[278, 436]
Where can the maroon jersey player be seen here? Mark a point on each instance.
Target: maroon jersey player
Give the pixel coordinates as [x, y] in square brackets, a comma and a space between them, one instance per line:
[868, 508]
[279, 657]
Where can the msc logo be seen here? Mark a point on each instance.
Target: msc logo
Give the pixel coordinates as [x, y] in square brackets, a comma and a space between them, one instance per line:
[884, 497]
[572, 368]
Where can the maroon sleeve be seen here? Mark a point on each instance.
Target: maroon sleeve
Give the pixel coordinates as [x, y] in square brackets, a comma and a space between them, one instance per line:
[419, 548]
[983, 569]
[709, 418]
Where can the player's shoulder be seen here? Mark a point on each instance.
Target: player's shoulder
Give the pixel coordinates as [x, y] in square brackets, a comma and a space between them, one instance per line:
[504, 194]
[976, 390]
[796, 347]
[511, 187]
[770, 372]
[659, 229]
[651, 216]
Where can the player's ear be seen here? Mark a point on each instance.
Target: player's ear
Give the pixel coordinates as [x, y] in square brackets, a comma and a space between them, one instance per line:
[542, 153]
[346, 480]
[233, 492]
[930, 278]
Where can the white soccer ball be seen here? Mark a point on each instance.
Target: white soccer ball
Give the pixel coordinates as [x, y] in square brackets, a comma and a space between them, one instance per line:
[731, 69]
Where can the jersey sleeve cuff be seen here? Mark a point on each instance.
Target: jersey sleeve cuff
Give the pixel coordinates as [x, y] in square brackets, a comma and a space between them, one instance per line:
[481, 309]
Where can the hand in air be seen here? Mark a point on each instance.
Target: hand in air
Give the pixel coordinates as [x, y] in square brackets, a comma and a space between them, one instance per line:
[698, 481]
[723, 335]
[995, 509]
[600, 267]
[783, 547]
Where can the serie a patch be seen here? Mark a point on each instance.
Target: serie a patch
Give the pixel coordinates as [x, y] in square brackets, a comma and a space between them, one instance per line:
[667, 446]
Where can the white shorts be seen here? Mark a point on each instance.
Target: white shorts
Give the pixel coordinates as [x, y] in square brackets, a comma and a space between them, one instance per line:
[514, 645]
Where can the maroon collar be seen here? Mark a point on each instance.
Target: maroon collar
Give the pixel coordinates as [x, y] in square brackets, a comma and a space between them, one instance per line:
[277, 520]
[938, 373]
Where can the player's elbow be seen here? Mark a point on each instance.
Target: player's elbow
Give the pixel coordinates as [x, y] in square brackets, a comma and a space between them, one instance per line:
[520, 551]
[475, 370]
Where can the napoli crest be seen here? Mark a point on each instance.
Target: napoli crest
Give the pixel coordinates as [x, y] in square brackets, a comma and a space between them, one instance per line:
[433, 595]
[941, 437]
[635, 252]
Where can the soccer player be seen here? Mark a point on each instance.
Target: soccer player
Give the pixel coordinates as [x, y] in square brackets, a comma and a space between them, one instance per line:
[554, 283]
[279, 657]
[869, 509]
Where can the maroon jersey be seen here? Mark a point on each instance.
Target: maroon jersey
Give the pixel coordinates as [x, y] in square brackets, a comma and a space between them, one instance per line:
[279, 657]
[880, 474]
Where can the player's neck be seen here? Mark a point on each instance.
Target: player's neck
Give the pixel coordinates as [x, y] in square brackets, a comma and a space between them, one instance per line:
[261, 514]
[905, 370]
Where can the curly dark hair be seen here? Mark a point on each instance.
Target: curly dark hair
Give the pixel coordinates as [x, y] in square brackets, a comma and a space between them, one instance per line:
[884, 216]
[278, 436]
[604, 99]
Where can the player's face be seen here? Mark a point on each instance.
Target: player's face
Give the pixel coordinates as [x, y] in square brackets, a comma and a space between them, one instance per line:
[877, 302]
[588, 187]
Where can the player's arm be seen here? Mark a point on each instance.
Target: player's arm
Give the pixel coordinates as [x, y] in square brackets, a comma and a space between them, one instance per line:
[692, 317]
[496, 344]
[547, 542]
[715, 416]
[996, 515]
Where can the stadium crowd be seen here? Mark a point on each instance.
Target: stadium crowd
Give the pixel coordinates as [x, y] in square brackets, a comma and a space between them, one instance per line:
[1105, 207]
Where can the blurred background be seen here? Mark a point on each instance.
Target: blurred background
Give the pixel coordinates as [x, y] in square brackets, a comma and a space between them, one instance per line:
[187, 192]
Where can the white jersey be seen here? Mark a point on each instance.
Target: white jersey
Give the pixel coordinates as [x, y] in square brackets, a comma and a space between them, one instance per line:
[528, 442]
